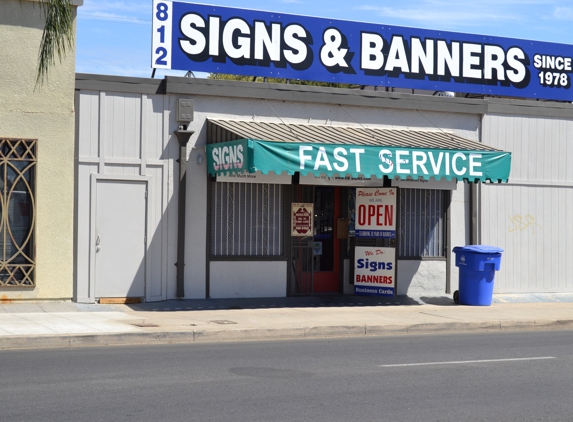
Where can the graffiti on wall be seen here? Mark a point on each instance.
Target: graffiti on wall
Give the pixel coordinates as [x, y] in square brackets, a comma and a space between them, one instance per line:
[523, 222]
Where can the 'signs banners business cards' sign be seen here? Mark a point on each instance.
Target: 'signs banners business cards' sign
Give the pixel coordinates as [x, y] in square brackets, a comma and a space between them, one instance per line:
[376, 212]
[217, 39]
[374, 271]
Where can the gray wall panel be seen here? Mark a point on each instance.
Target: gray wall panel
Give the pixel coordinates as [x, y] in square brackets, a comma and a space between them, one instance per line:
[83, 232]
[530, 216]
[534, 227]
[88, 120]
[124, 135]
[123, 120]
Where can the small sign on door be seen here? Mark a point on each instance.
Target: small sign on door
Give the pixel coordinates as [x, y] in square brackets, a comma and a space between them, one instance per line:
[317, 248]
[302, 219]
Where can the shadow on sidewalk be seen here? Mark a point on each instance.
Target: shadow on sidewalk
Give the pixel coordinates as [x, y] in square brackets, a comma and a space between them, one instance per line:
[437, 300]
[318, 301]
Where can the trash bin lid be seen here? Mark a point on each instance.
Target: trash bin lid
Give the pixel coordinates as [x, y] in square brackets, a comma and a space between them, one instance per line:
[478, 249]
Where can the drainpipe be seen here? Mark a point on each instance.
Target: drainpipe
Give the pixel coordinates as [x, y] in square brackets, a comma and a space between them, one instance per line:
[475, 238]
[183, 136]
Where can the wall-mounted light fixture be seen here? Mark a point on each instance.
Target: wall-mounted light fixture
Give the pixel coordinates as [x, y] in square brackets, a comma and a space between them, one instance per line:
[199, 159]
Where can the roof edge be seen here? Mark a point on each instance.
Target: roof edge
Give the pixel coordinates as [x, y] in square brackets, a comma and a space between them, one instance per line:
[93, 82]
[529, 108]
[322, 95]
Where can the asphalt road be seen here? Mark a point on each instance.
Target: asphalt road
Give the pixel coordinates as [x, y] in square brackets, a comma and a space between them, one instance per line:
[525, 376]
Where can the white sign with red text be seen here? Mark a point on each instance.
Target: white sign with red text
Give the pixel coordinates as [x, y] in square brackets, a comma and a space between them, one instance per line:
[302, 219]
[374, 271]
[376, 212]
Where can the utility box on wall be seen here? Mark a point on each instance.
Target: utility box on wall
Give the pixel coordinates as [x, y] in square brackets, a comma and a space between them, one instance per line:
[184, 110]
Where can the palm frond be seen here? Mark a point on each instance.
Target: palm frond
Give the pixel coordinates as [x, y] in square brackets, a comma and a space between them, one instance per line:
[58, 35]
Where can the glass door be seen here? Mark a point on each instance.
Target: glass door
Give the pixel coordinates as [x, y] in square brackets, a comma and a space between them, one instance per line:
[325, 243]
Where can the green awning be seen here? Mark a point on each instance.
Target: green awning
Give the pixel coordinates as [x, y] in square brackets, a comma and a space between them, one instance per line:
[369, 152]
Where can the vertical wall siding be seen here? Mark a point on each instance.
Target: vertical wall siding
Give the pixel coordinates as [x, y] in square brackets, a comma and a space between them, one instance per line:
[129, 140]
[123, 126]
[88, 131]
[157, 250]
[533, 225]
[83, 232]
[530, 217]
[152, 127]
[123, 169]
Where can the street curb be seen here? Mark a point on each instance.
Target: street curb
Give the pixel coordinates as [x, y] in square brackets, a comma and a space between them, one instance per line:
[554, 324]
[252, 334]
[335, 331]
[454, 327]
[268, 334]
[386, 330]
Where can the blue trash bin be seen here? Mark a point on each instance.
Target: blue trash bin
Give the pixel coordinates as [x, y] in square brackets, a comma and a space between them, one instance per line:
[477, 264]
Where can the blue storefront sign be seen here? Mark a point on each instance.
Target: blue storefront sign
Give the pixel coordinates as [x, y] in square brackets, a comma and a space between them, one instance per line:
[215, 39]
[374, 271]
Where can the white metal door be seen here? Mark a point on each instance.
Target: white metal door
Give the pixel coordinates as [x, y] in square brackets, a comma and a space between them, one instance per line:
[120, 238]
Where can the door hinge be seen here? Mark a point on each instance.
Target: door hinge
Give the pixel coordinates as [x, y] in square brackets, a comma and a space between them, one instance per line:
[145, 194]
[145, 239]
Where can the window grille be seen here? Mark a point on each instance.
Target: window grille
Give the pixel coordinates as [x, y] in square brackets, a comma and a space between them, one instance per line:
[18, 212]
[246, 219]
[421, 223]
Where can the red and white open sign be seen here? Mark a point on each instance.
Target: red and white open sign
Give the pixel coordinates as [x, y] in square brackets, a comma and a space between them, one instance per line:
[376, 212]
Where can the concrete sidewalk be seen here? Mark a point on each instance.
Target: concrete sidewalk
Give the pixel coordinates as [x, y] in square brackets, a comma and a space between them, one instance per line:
[65, 324]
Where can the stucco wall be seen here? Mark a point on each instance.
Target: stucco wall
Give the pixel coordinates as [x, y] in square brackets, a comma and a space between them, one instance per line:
[419, 278]
[45, 113]
[248, 279]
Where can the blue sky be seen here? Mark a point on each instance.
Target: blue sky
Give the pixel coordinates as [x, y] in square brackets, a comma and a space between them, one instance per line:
[114, 37]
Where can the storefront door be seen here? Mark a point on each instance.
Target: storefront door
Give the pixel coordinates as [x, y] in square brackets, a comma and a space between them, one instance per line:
[325, 243]
[315, 259]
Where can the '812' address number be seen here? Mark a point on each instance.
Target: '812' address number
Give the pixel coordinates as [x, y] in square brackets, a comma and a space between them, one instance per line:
[162, 35]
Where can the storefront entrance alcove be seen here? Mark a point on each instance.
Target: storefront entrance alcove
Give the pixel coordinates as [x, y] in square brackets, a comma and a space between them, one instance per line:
[315, 260]
[261, 169]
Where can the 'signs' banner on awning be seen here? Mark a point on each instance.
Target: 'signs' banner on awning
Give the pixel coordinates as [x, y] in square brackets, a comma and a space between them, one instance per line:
[248, 155]
[218, 39]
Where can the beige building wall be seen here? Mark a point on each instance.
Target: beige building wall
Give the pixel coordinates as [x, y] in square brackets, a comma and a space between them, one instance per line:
[44, 113]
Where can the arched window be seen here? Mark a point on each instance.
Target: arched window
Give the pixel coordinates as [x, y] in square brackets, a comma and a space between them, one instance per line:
[18, 161]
